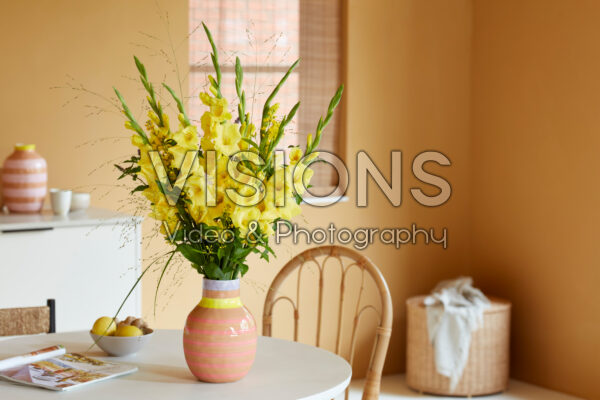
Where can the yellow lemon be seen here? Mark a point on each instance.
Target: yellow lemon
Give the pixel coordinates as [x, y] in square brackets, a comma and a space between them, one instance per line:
[104, 326]
[128, 330]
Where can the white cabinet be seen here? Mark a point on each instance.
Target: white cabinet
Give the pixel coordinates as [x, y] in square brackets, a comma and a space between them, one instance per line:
[88, 261]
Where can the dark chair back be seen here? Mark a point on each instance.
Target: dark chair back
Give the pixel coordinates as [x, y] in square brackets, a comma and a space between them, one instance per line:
[28, 320]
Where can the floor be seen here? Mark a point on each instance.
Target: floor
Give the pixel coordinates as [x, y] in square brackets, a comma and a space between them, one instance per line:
[393, 388]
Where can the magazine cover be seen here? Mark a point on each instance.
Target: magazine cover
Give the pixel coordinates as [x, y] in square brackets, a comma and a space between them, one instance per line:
[65, 372]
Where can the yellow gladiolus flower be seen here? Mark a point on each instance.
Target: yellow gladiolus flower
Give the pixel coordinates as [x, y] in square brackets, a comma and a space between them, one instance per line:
[153, 117]
[227, 141]
[288, 209]
[206, 143]
[266, 227]
[195, 188]
[187, 137]
[172, 222]
[218, 107]
[165, 119]
[147, 169]
[160, 134]
[243, 216]
[162, 211]
[214, 212]
[302, 177]
[296, 155]
[138, 142]
[152, 194]
[270, 117]
[280, 182]
[178, 153]
[210, 124]
[243, 145]
[212, 128]
[270, 214]
[222, 174]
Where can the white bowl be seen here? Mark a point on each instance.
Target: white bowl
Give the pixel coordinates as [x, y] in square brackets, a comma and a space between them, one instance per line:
[80, 201]
[120, 346]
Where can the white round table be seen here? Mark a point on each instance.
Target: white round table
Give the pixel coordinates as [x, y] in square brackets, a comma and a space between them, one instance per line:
[283, 370]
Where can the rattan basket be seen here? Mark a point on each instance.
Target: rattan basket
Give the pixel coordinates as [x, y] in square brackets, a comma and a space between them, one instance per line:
[487, 368]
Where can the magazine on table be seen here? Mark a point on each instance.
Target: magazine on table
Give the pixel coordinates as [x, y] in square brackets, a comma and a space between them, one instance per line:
[54, 369]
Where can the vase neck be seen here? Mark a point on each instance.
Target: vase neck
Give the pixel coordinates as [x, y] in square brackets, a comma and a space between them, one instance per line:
[220, 289]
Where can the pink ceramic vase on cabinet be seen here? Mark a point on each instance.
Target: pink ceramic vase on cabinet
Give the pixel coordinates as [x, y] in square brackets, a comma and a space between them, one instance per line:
[24, 180]
[219, 338]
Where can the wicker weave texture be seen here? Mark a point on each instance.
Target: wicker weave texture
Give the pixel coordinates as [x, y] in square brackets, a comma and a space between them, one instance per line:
[24, 321]
[487, 369]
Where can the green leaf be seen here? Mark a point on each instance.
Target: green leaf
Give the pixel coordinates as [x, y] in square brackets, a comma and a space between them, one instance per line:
[212, 271]
[265, 255]
[140, 188]
[241, 252]
[192, 254]
[250, 142]
[243, 269]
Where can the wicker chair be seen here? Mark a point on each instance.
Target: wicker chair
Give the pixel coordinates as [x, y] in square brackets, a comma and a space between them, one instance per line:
[28, 320]
[321, 256]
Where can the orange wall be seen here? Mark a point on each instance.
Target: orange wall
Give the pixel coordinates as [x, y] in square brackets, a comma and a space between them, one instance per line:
[535, 139]
[408, 89]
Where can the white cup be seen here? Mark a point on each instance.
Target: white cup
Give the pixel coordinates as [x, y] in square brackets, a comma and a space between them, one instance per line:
[61, 201]
[80, 201]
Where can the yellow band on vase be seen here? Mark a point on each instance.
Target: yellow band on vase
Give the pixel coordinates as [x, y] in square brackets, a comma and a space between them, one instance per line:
[232, 302]
[24, 147]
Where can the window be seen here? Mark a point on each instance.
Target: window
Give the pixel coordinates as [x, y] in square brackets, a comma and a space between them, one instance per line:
[268, 36]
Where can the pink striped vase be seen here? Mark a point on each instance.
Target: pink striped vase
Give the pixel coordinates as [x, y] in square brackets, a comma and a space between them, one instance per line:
[24, 180]
[219, 338]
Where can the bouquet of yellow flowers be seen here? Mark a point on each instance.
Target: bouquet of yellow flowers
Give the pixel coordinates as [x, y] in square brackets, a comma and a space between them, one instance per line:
[219, 197]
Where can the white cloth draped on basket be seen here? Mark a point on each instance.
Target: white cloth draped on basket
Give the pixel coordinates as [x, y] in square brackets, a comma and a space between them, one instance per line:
[454, 310]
